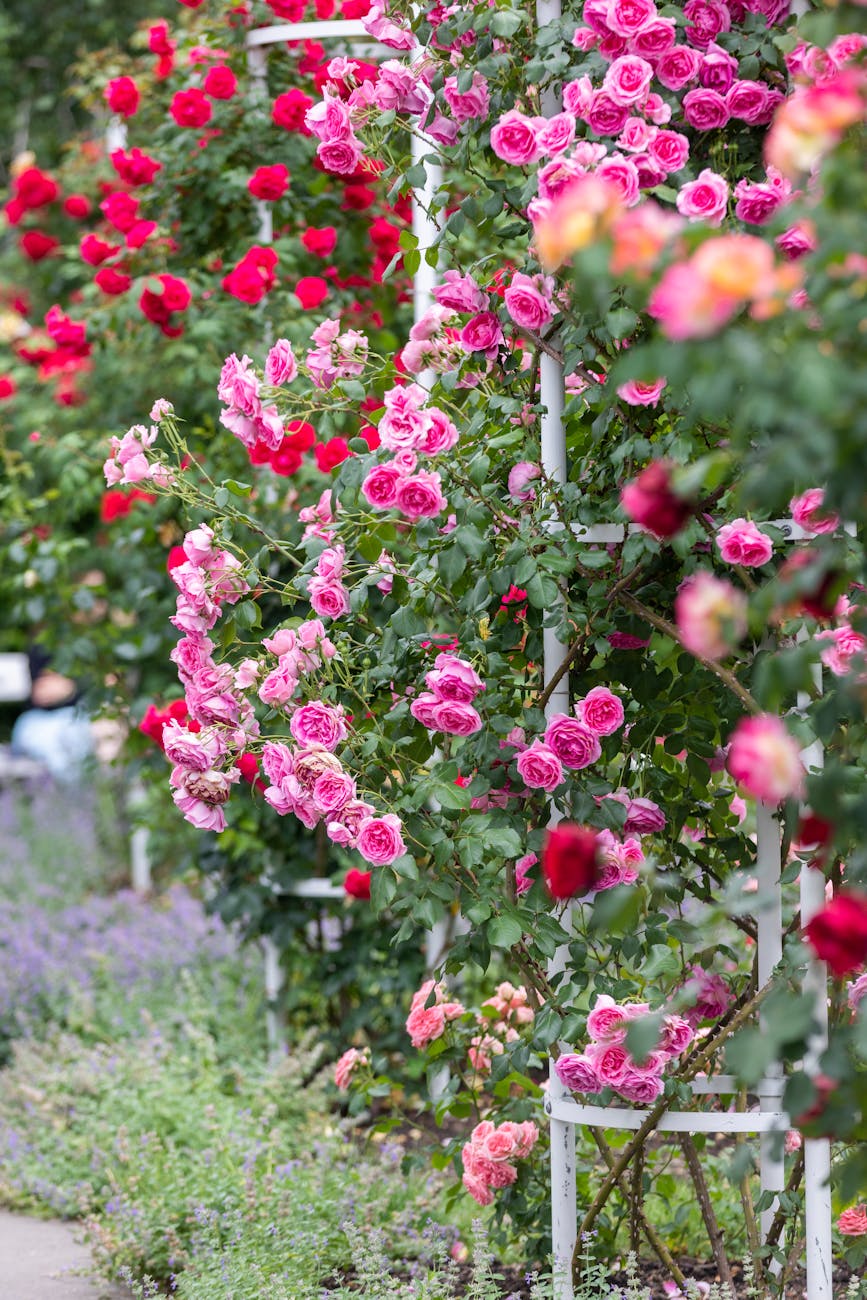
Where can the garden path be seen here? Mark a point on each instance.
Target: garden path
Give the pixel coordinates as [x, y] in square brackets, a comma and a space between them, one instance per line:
[40, 1259]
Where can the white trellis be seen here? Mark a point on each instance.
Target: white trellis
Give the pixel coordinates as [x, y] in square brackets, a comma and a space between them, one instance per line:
[351, 36]
[769, 1120]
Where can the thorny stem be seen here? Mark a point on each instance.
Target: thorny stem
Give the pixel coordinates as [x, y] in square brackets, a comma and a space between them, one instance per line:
[792, 1184]
[747, 1200]
[699, 1182]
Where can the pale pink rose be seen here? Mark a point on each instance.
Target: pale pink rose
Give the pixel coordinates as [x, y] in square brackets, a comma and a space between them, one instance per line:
[455, 718]
[160, 409]
[329, 598]
[670, 149]
[607, 1021]
[793, 1142]
[198, 545]
[311, 762]
[279, 686]
[705, 109]
[348, 1064]
[540, 768]
[578, 96]
[468, 105]
[528, 301]
[642, 1089]
[318, 723]
[741, 542]
[677, 67]
[656, 109]
[379, 840]
[574, 743]
[806, 512]
[405, 462]
[452, 678]
[514, 139]
[331, 791]
[419, 496]
[578, 1072]
[196, 751]
[713, 997]
[627, 80]
[623, 174]
[277, 762]
[611, 1061]
[853, 1222]
[280, 364]
[557, 134]
[380, 486]
[460, 293]
[523, 883]
[704, 199]
[856, 992]
[479, 1191]
[635, 393]
[520, 476]
[765, 759]
[601, 711]
[584, 38]
[424, 1024]
[711, 615]
[440, 435]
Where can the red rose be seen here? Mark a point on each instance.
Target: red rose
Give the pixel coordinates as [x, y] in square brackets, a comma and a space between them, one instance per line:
[285, 460]
[651, 501]
[122, 96]
[191, 108]
[253, 276]
[112, 281]
[310, 291]
[570, 860]
[120, 210]
[35, 244]
[220, 82]
[139, 233]
[134, 168]
[68, 334]
[357, 197]
[288, 110]
[116, 503]
[8, 387]
[155, 720]
[320, 242]
[177, 555]
[174, 296]
[291, 11]
[357, 883]
[838, 934]
[300, 435]
[269, 183]
[158, 40]
[34, 188]
[355, 8]
[77, 206]
[95, 251]
[331, 454]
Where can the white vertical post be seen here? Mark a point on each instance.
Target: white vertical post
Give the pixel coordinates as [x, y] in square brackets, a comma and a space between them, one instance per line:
[770, 951]
[140, 862]
[564, 1209]
[274, 1026]
[425, 227]
[817, 1151]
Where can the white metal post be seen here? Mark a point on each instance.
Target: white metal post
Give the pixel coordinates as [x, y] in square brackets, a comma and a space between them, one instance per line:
[140, 862]
[817, 1151]
[770, 951]
[275, 1028]
[425, 227]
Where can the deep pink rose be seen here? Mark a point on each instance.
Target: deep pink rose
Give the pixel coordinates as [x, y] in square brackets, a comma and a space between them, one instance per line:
[628, 17]
[529, 307]
[539, 767]
[318, 724]
[654, 39]
[678, 66]
[483, 333]
[452, 678]
[468, 105]
[557, 134]
[601, 711]
[514, 139]
[627, 80]
[332, 790]
[604, 117]
[574, 743]
[578, 96]
[718, 69]
[643, 817]
[670, 149]
[756, 203]
[578, 1073]
[460, 293]
[707, 18]
[455, 718]
[340, 156]
[380, 841]
[328, 597]
[705, 109]
[280, 364]
[623, 174]
[741, 542]
[419, 496]
[610, 1060]
[422, 709]
[380, 486]
[765, 759]
[634, 393]
[748, 101]
[642, 1089]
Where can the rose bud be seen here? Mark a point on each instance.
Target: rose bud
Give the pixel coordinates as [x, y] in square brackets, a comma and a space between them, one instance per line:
[651, 501]
[838, 934]
[357, 883]
[808, 587]
[570, 860]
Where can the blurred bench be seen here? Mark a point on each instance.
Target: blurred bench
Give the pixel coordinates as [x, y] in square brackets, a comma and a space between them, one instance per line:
[15, 689]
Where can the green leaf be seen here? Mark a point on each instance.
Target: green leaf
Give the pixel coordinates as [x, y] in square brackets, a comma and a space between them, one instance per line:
[504, 932]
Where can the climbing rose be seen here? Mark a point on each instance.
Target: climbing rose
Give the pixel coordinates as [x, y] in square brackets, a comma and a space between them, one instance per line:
[380, 841]
[572, 741]
[357, 884]
[601, 711]
[220, 82]
[711, 615]
[351, 1059]
[853, 1222]
[650, 500]
[807, 512]
[570, 860]
[122, 96]
[765, 760]
[741, 542]
[539, 767]
[838, 934]
[191, 108]
[269, 183]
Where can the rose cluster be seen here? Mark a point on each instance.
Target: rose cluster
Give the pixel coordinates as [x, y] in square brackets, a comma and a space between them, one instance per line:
[427, 1019]
[128, 462]
[501, 1019]
[447, 704]
[489, 1155]
[606, 1063]
[570, 742]
[409, 429]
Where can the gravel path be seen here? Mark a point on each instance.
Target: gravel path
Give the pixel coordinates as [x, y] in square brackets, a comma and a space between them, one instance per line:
[40, 1259]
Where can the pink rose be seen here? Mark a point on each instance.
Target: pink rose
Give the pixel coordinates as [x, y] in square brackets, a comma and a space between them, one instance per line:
[627, 80]
[528, 301]
[455, 718]
[642, 1089]
[341, 157]
[601, 711]
[806, 512]
[380, 841]
[718, 69]
[460, 293]
[332, 790]
[611, 1061]
[318, 724]
[419, 496]
[765, 760]
[704, 199]
[195, 751]
[707, 18]
[705, 109]
[440, 434]
[424, 1024]
[405, 418]
[540, 768]
[523, 883]
[711, 615]
[741, 542]
[678, 66]
[654, 39]
[748, 101]
[279, 686]
[468, 105]
[670, 149]
[422, 709]
[557, 134]
[514, 139]
[483, 333]
[677, 1035]
[757, 203]
[380, 486]
[607, 1021]
[348, 1064]
[853, 1222]
[452, 678]
[328, 597]
[643, 817]
[628, 17]
[520, 476]
[479, 1191]
[574, 743]
[280, 364]
[578, 1072]
[578, 96]
[622, 173]
[634, 393]
[636, 135]
[604, 116]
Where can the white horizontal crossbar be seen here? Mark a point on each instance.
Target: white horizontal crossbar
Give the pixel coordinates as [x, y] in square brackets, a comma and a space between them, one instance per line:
[351, 29]
[311, 889]
[673, 1121]
[607, 534]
